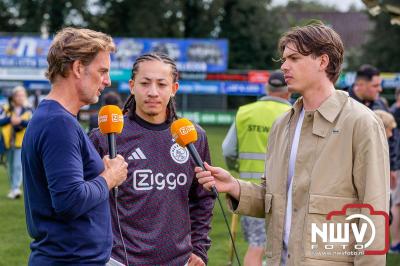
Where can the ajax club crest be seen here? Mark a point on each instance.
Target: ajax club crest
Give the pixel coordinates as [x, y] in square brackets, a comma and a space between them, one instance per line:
[179, 154]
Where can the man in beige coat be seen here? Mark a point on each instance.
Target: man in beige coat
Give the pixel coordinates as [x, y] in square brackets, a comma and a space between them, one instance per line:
[326, 152]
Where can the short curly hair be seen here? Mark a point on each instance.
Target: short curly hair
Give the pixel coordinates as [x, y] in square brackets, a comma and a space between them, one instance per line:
[71, 44]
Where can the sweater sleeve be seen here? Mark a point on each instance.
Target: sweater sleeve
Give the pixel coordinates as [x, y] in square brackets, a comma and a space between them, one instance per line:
[201, 204]
[96, 138]
[71, 195]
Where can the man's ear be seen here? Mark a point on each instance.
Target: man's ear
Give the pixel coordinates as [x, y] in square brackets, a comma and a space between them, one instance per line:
[77, 68]
[131, 86]
[324, 62]
[175, 88]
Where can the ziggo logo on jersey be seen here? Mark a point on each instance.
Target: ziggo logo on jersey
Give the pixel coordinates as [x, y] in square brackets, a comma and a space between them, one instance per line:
[145, 180]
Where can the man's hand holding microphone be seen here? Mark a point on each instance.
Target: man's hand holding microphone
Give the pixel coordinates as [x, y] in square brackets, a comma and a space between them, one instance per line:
[218, 177]
[111, 122]
[115, 172]
[213, 179]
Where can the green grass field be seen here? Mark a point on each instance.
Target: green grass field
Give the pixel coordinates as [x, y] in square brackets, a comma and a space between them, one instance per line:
[14, 242]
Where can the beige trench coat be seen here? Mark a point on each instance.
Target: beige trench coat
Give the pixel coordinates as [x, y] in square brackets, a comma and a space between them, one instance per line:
[342, 158]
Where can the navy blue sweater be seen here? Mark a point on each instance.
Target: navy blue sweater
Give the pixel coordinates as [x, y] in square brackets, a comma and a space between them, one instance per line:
[66, 201]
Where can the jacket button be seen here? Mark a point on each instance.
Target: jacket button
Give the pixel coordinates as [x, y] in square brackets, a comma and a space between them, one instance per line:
[295, 209]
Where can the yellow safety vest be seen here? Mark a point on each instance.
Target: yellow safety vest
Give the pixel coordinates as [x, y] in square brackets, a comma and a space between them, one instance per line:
[253, 124]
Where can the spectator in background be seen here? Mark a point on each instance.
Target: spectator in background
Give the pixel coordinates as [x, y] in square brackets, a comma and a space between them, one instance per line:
[395, 108]
[36, 97]
[366, 90]
[384, 101]
[16, 116]
[244, 149]
[109, 98]
[388, 121]
[390, 124]
[367, 87]
[395, 209]
[3, 118]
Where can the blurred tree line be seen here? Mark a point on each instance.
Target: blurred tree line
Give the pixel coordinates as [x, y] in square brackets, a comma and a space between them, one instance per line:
[252, 27]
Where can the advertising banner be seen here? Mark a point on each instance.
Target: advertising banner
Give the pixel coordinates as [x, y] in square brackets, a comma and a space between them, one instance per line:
[192, 55]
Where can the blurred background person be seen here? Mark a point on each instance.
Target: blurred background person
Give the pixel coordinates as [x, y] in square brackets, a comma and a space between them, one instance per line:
[366, 90]
[395, 209]
[390, 124]
[395, 184]
[367, 87]
[3, 120]
[395, 108]
[244, 150]
[36, 97]
[388, 121]
[109, 98]
[14, 122]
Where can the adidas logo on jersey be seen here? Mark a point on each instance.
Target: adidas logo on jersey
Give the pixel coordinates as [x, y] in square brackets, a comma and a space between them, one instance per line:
[137, 155]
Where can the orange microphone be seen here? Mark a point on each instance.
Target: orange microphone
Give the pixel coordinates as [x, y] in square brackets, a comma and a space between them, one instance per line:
[111, 122]
[185, 134]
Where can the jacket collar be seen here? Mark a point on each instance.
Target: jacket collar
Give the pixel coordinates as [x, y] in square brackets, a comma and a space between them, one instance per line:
[329, 109]
[332, 106]
[326, 114]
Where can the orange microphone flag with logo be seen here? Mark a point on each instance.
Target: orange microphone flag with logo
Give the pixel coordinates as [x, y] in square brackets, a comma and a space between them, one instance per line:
[183, 131]
[111, 119]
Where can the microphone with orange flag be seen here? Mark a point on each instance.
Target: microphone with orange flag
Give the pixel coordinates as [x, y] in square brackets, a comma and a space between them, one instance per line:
[185, 134]
[111, 122]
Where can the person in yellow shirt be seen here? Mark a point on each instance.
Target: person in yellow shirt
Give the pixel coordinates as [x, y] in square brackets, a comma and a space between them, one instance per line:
[15, 118]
